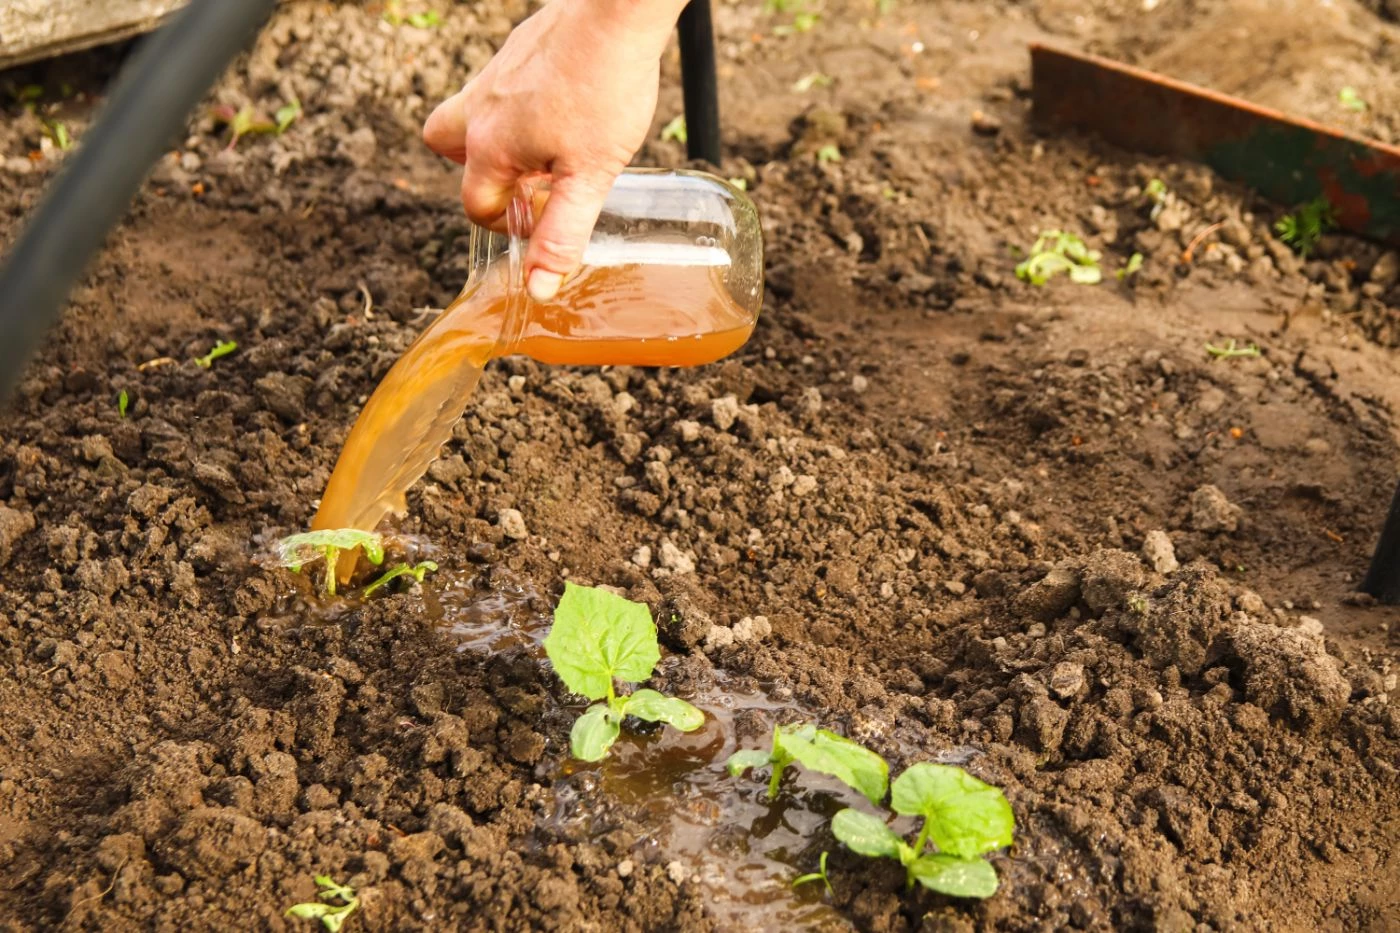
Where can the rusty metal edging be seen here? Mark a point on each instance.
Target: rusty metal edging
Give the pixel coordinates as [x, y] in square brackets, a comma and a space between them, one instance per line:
[1286, 159]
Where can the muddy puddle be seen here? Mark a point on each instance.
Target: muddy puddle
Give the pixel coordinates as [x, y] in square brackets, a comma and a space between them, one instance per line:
[739, 848]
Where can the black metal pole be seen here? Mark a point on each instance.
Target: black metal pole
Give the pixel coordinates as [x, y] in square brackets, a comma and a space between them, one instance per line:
[699, 82]
[1383, 578]
[168, 76]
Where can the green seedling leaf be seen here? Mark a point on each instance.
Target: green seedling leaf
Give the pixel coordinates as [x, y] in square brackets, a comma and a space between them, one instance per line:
[1351, 100]
[295, 551]
[122, 402]
[963, 816]
[741, 183]
[675, 130]
[829, 753]
[1304, 227]
[332, 916]
[29, 93]
[1056, 252]
[416, 571]
[1131, 269]
[287, 114]
[747, 758]
[816, 876]
[868, 835]
[829, 153]
[1156, 190]
[953, 876]
[597, 637]
[657, 707]
[594, 733]
[810, 80]
[221, 349]
[57, 131]
[427, 20]
[1232, 352]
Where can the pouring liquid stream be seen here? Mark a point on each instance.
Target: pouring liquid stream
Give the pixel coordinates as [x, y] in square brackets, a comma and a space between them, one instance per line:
[665, 307]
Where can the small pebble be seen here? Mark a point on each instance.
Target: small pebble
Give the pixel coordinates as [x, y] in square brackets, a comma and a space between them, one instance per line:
[1158, 550]
[956, 587]
[676, 560]
[724, 412]
[860, 383]
[512, 524]
[984, 124]
[625, 868]
[1066, 679]
[642, 556]
[516, 383]
[688, 430]
[804, 485]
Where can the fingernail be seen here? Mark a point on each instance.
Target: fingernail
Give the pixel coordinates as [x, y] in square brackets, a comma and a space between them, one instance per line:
[544, 285]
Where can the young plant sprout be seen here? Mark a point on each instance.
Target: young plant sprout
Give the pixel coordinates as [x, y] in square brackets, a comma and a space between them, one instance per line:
[1232, 352]
[963, 817]
[221, 349]
[810, 80]
[287, 114]
[829, 153]
[849, 762]
[332, 916]
[675, 130]
[1304, 227]
[416, 571]
[1131, 269]
[123, 400]
[598, 638]
[819, 875]
[297, 551]
[1351, 100]
[1056, 251]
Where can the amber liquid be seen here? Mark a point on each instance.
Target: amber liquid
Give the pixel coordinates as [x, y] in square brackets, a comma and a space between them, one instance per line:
[620, 315]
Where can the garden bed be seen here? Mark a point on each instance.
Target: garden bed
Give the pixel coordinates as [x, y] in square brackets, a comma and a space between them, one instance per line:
[928, 506]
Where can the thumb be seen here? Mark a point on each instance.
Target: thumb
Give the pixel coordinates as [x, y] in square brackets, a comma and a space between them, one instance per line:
[445, 131]
[562, 232]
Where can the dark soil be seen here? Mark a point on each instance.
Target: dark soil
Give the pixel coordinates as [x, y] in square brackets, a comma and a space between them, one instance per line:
[1039, 531]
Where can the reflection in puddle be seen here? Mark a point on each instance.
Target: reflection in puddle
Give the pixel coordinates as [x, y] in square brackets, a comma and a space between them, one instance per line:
[488, 612]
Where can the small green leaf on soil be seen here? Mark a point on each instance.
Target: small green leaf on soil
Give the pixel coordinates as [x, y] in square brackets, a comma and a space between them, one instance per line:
[747, 758]
[597, 637]
[966, 817]
[867, 835]
[656, 707]
[593, 733]
[829, 753]
[954, 876]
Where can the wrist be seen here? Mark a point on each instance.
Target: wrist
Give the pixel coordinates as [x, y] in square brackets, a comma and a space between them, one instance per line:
[646, 22]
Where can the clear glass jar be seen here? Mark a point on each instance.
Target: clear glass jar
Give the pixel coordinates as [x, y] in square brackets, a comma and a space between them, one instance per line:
[672, 276]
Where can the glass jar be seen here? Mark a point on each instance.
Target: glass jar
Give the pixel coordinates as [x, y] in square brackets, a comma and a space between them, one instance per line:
[672, 276]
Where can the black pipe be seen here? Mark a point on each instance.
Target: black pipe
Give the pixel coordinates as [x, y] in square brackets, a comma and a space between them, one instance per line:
[167, 77]
[699, 82]
[1383, 578]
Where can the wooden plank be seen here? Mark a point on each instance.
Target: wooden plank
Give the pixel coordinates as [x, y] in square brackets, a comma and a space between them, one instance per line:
[34, 29]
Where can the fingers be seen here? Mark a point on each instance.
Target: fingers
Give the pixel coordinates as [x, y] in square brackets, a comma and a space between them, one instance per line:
[488, 184]
[445, 131]
[562, 231]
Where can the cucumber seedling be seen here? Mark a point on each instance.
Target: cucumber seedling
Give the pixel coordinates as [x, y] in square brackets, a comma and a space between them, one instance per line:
[1303, 228]
[296, 551]
[332, 916]
[819, 875]
[964, 817]
[221, 349]
[1056, 252]
[416, 571]
[849, 762]
[599, 638]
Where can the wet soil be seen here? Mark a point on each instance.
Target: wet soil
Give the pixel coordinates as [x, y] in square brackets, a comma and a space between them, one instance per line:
[1039, 532]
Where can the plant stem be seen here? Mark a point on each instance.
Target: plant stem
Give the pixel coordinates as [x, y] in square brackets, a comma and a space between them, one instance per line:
[332, 556]
[775, 780]
[923, 837]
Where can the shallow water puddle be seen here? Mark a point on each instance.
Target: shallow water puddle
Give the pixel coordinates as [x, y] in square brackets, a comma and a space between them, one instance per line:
[741, 849]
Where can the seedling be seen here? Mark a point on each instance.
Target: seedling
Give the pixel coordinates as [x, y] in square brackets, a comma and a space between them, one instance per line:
[849, 762]
[1351, 100]
[1056, 251]
[57, 131]
[963, 817]
[599, 638]
[741, 183]
[1232, 352]
[801, 22]
[287, 114]
[221, 349]
[675, 130]
[1305, 226]
[395, 16]
[810, 80]
[297, 551]
[829, 153]
[122, 402]
[332, 916]
[816, 876]
[1156, 192]
[1131, 269]
[416, 571]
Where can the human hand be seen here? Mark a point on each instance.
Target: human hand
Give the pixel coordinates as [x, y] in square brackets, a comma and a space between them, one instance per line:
[571, 94]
